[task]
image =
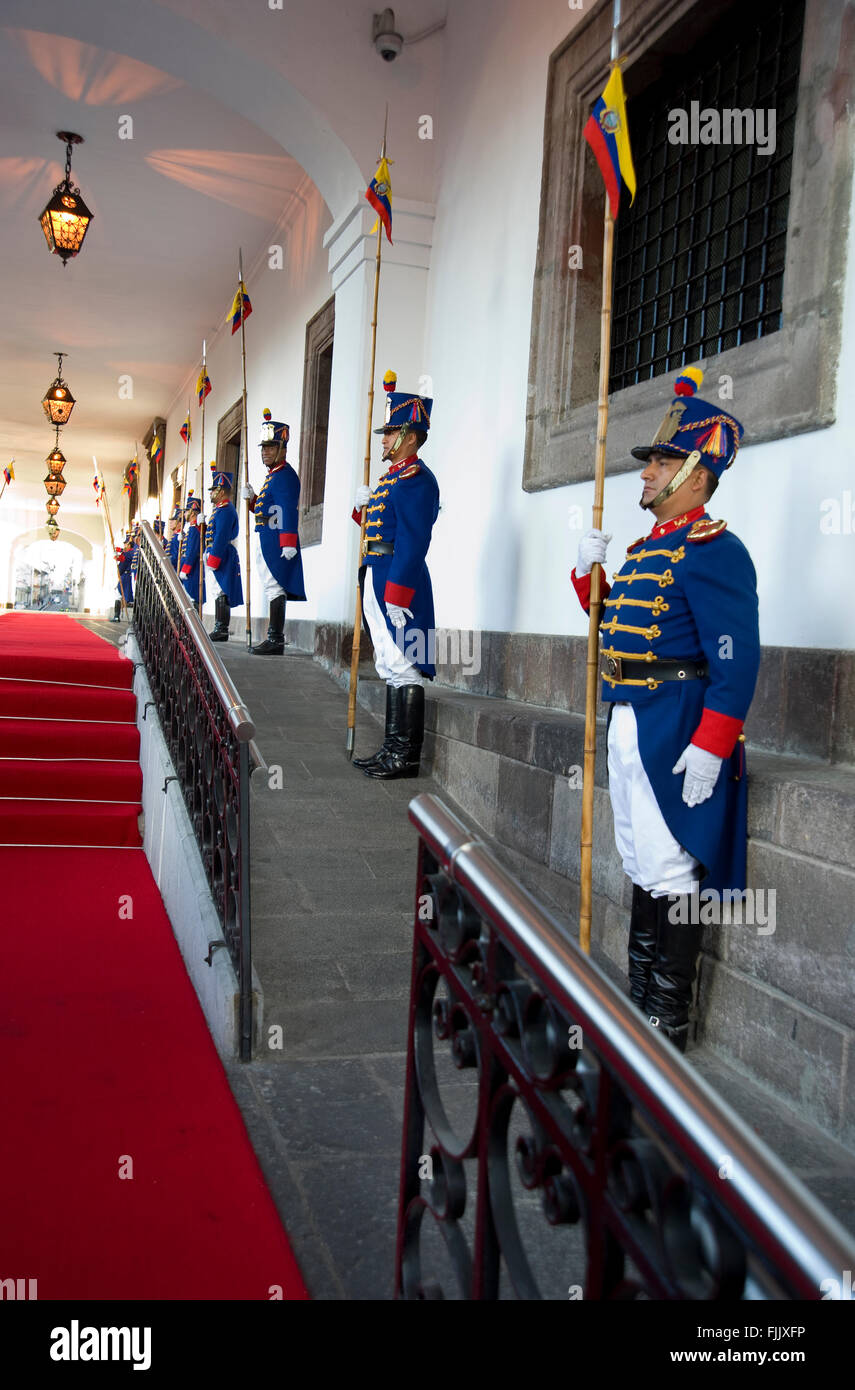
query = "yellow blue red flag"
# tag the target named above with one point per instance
(9, 472)
(156, 451)
(185, 431)
(608, 135)
(379, 195)
(241, 307)
(203, 386)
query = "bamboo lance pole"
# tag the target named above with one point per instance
(201, 522)
(245, 437)
(587, 835)
(366, 476)
(109, 525)
(184, 487)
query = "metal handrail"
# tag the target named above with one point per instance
(793, 1232)
(210, 736)
(227, 692)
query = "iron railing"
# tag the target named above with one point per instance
(584, 1158)
(208, 731)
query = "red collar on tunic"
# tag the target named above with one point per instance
(676, 523)
(402, 463)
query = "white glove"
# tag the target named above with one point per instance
(701, 769)
(397, 616)
(592, 551)
(247, 493)
(288, 552)
(362, 495)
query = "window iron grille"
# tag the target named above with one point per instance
(699, 257)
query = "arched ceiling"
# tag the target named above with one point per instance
(222, 139)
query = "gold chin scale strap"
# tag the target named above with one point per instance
(677, 481)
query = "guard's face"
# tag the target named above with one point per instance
(217, 494)
(270, 453)
(657, 473)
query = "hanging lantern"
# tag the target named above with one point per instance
(58, 401)
(66, 218)
(54, 485)
(52, 528)
(52, 506)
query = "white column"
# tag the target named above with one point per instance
(400, 346)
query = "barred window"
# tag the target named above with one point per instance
(699, 257)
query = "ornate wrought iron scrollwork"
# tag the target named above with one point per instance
(579, 1135)
(211, 756)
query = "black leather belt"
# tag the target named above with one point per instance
(619, 669)
(379, 547)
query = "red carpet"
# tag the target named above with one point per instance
(105, 1053)
(69, 744)
(125, 1168)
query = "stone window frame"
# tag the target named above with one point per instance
(320, 335)
(783, 384)
(157, 426)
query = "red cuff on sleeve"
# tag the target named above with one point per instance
(717, 733)
(213, 562)
(582, 585)
(288, 539)
(185, 569)
(357, 515)
(397, 594)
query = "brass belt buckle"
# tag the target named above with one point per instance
(363, 548)
(613, 667)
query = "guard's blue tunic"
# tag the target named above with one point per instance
(402, 510)
(689, 591)
(221, 556)
(189, 564)
(174, 547)
(125, 585)
(276, 523)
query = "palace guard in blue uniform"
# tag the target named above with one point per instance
(188, 564)
(125, 585)
(174, 545)
(221, 552)
(277, 549)
(680, 654)
(397, 598)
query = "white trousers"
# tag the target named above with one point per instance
(392, 666)
(651, 856)
(270, 587)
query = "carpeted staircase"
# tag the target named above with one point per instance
(69, 745)
(125, 1168)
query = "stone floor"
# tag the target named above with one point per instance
(334, 862)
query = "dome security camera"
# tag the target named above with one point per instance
(387, 41)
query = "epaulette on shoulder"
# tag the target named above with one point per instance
(411, 472)
(706, 530)
(635, 544)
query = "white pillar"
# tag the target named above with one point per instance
(400, 346)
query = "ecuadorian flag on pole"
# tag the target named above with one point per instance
(203, 386)
(185, 430)
(156, 454)
(241, 308)
(379, 195)
(608, 135)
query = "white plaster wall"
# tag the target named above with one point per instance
(500, 557)
(283, 301)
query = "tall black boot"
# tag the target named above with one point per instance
(669, 993)
(641, 947)
(393, 705)
(404, 755)
(274, 643)
(222, 613)
(117, 612)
